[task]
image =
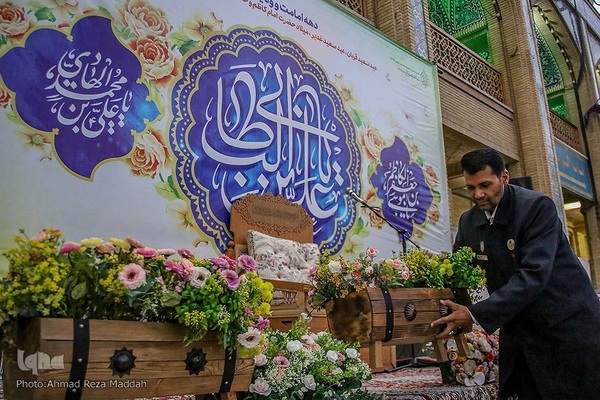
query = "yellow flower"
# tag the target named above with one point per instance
(120, 243)
(92, 242)
(198, 27)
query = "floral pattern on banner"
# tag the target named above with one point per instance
(103, 94)
(151, 50)
(405, 188)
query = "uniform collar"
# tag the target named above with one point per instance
(502, 210)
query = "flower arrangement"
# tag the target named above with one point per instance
(300, 365)
(479, 367)
(336, 277)
(122, 279)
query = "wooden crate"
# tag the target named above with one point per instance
(158, 354)
(376, 318)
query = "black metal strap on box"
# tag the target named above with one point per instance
(79, 362)
(228, 371)
(389, 314)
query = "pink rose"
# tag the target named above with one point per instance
(372, 252)
(69, 247)
(134, 242)
(232, 263)
(41, 236)
(147, 252)
(187, 265)
(105, 248)
(13, 20)
(166, 252)
(178, 269)
(431, 176)
(405, 273)
(183, 252)
(132, 276)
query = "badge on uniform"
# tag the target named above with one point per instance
(482, 246)
(482, 257)
(510, 244)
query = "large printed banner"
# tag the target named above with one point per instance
(149, 118)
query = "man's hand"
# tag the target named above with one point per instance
(459, 317)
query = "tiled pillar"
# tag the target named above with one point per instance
(403, 21)
(538, 158)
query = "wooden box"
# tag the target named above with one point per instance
(380, 316)
(98, 359)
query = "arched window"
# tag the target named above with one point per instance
(465, 21)
(553, 79)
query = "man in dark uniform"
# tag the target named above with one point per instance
(541, 298)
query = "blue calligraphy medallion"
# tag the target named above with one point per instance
(83, 87)
(402, 186)
(253, 114)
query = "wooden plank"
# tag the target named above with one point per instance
(156, 387)
(102, 350)
(118, 331)
(159, 364)
(147, 380)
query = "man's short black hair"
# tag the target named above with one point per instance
(478, 160)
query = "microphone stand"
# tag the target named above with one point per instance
(414, 361)
(401, 232)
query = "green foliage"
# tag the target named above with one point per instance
(121, 279)
(336, 277)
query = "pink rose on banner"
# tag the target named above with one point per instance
(145, 19)
(13, 20)
(374, 201)
(372, 142)
(157, 59)
(150, 155)
(4, 97)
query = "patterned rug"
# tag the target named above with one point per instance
(425, 384)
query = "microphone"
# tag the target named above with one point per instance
(353, 194)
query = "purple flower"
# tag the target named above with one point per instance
(219, 263)
(247, 263)
(231, 278)
(262, 324)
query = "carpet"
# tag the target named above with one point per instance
(425, 384)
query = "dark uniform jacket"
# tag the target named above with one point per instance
(540, 296)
